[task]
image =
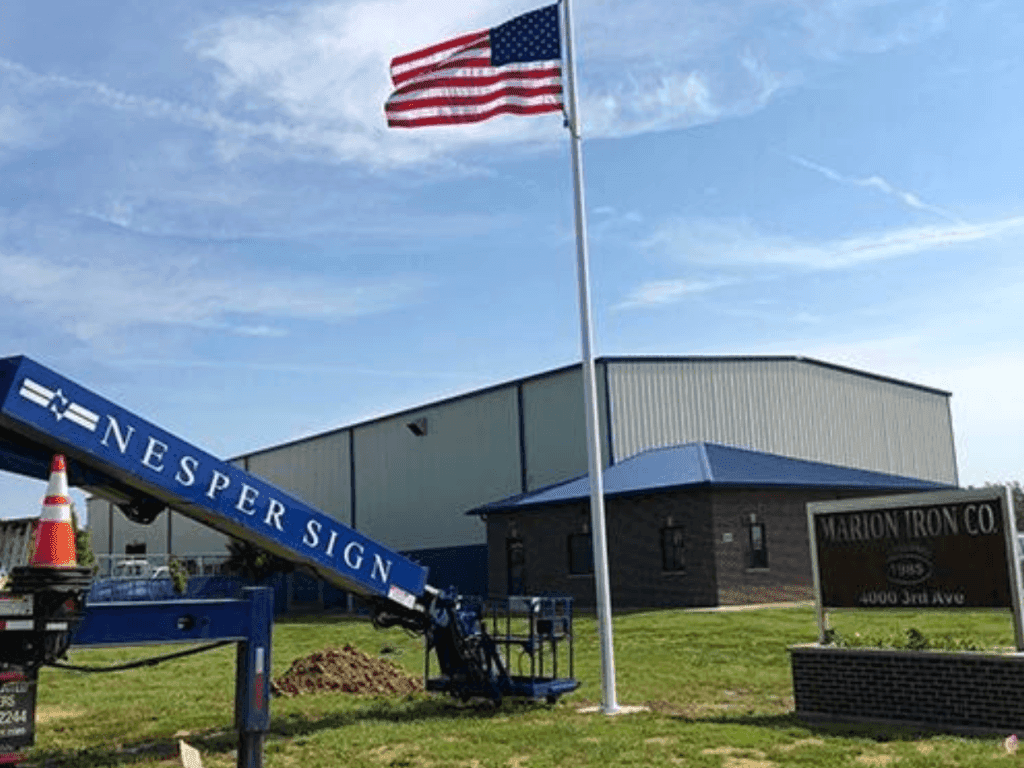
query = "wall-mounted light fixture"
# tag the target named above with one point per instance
(418, 427)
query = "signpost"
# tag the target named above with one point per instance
(947, 549)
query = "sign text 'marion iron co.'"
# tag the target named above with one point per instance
(948, 549)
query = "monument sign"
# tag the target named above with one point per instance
(947, 549)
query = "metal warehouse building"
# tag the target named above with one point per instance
(408, 479)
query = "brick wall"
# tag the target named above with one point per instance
(947, 691)
(716, 571)
(784, 515)
(634, 550)
(783, 511)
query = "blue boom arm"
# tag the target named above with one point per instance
(115, 454)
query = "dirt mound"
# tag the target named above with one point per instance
(344, 670)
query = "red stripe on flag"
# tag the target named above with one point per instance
(479, 81)
(455, 42)
(474, 100)
(473, 117)
(478, 57)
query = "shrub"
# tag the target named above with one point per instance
(179, 575)
(254, 563)
(911, 639)
(84, 553)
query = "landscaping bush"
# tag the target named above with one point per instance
(911, 639)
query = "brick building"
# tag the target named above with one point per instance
(692, 525)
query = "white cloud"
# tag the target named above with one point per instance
(661, 292)
(876, 182)
(326, 68)
(232, 134)
(767, 80)
(311, 81)
(838, 27)
(642, 68)
(739, 243)
(98, 300)
(672, 99)
(14, 130)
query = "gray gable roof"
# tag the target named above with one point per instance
(711, 465)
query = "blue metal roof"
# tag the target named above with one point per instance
(711, 465)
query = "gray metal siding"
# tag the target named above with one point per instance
(317, 471)
(412, 491)
(17, 543)
(554, 429)
(189, 536)
(154, 535)
(790, 407)
(99, 524)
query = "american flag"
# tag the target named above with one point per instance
(514, 68)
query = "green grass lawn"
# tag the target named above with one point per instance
(717, 685)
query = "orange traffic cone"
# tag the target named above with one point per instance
(55, 535)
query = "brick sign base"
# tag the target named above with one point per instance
(948, 691)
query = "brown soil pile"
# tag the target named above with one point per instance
(344, 670)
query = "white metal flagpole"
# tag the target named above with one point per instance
(597, 519)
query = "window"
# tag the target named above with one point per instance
(581, 553)
(515, 558)
(135, 549)
(516, 555)
(673, 557)
(758, 547)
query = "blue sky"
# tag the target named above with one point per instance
(204, 218)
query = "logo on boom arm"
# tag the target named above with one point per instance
(57, 403)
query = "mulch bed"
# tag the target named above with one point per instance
(344, 670)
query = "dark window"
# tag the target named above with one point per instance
(758, 546)
(516, 559)
(673, 557)
(135, 549)
(516, 555)
(581, 553)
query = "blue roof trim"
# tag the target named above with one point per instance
(705, 461)
(712, 465)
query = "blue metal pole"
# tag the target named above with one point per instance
(252, 679)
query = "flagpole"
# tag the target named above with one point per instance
(597, 518)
